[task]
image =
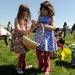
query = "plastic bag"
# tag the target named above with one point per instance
(66, 52)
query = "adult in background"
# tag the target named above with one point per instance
(65, 29)
(73, 30)
(4, 34)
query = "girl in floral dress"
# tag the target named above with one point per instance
(21, 28)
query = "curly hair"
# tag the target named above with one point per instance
(47, 6)
(21, 11)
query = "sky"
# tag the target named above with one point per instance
(64, 10)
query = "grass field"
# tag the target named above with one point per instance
(8, 61)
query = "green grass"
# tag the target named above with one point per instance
(69, 38)
(8, 62)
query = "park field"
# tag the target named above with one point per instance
(8, 62)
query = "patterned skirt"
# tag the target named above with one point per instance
(16, 44)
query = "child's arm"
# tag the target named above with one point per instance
(52, 26)
(34, 25)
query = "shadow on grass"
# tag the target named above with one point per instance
(10, 70)
(64, 63)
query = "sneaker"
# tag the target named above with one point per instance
(46, 73)
(28, 67)
(43, 69)
(19, 70)
(62, 59)
(7, 46)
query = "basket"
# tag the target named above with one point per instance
(29, 43)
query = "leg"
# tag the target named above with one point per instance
(47, 62)
(39, 55)
(21, 62)
(24, 61)
(5, 40)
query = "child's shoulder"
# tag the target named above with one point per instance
(42, 16)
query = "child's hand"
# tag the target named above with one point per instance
(34, 22)
(27, 32)
(40, 25)
(34, 25)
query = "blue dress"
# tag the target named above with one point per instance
(46, 38)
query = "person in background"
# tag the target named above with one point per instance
(65, 30)
(73, 30)
(60, 41)
(4, 35)
(21, 28)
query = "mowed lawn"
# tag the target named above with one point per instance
(8, 62)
